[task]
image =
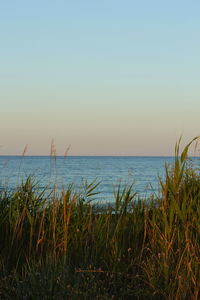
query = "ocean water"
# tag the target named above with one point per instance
(143, 172)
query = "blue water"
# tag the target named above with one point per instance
(109, 171)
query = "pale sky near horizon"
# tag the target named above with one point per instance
(106, 77)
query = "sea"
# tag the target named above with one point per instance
(144, 172)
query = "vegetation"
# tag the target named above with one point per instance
(63, 247)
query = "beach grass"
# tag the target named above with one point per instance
(62, 246)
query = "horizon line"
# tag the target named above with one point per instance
(38, 155)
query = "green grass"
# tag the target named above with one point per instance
(63, 247)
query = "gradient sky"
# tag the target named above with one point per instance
(106, 77)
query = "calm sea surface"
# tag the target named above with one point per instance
(109, 171)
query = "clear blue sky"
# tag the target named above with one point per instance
(106, 77)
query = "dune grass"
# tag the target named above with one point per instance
(64, 247)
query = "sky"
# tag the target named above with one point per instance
(103, 77)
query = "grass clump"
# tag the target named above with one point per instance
(64, 247)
